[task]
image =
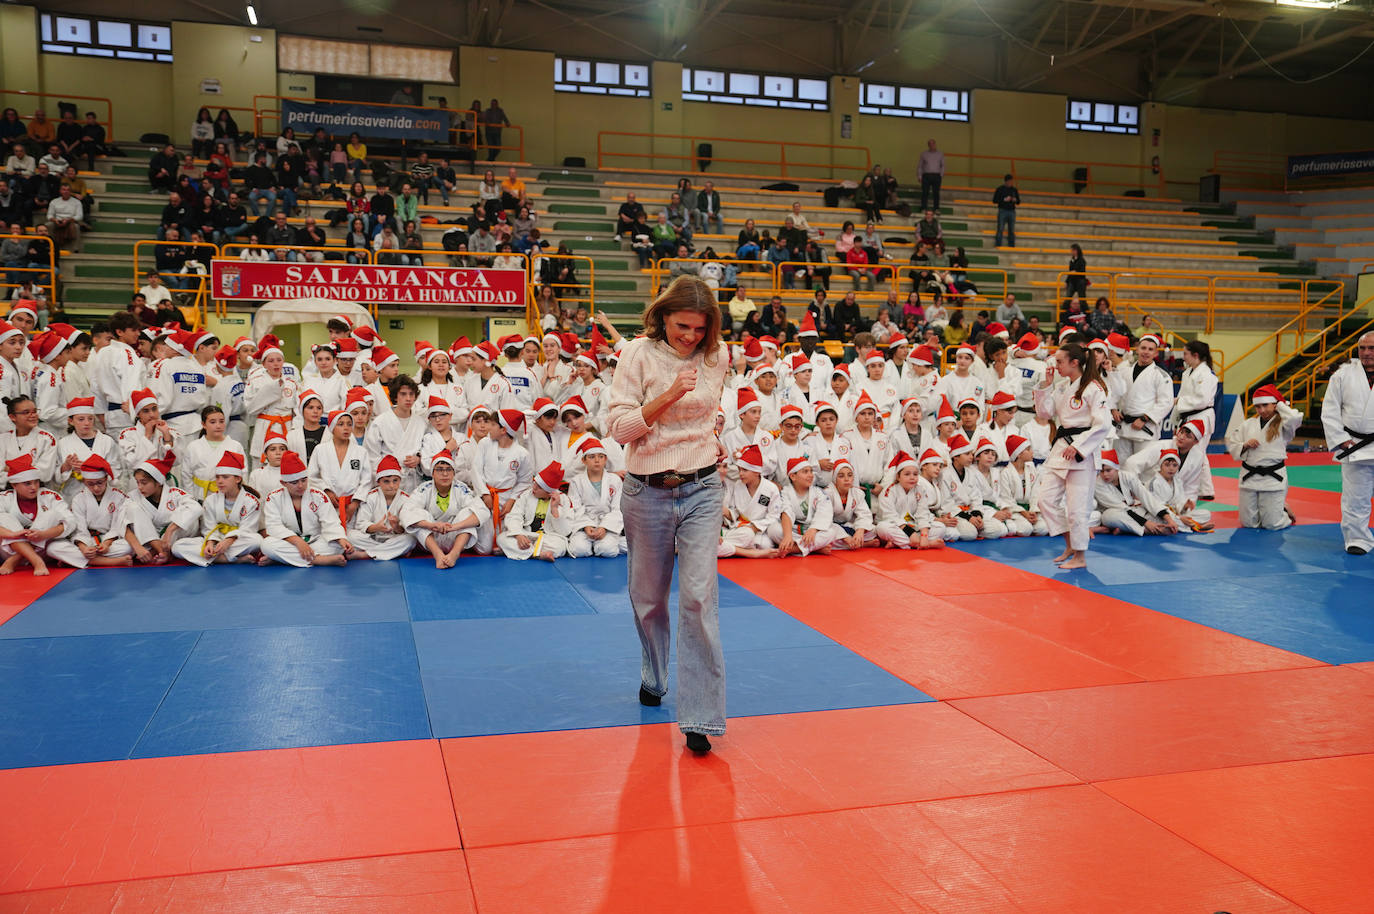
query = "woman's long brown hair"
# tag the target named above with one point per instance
(686, 293)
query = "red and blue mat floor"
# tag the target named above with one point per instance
(1186, 726)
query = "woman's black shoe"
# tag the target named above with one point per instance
(649, 699)
(698, 743)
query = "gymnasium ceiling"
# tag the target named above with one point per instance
(1250, 54)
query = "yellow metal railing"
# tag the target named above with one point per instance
(145, 259)
(1332, 345)
(44, 276)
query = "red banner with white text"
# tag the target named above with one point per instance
(364, 283)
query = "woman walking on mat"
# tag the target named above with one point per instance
(662, 407)
(1082, 421)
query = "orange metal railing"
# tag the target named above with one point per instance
(662, 273)
(1053, 175)
(782, 158)
(107, 122)
(44, 276)
(459, 121)
(1249, 170)
(194, 281)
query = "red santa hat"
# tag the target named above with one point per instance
(273, 436)
(1015, 445)
(47, 346)
(875, 356)
(842, 462)
(967, 347)
(266, 346)
(791, 409)
(922, 355)
(26, 305)
(958, 444)
(1267, 394)
(437, 404)
(751, 458)
(1099, 345)
(95, 467)
(1107, 457)
(984, 444)
(292, 467)
(808, 325)
(306, 396)
(768, 342)
(598, 342)
(388, 466)
(970, 401)
(244, 342)
(587, 358)
(444, 456)
(460, 346)
(346, 348)
(141, 398)
(900, 460)
(486, 351)
(798, 362)
(842, 370)
(22, 469)
(745, 399)
(1066, 330)
(1153, 338)
(231, 463)
(226, 357)
(567, 345)
(510, 341)
(765, 369)
(423, 350)
(551, 477)
(366, 337)
(999, 330)
(543, 405)
(481, 408)
(573, 404)
(1002, 400)
(159, 468)
(864, 402)
(8, 330)
(530, 338)
(753, 350)
(512, 420)
(1029, 344)
(945, 413)
(356, 397)
(334, 416)
(195, 339)
(1197, 428)
(81, 406)
(931, 455)
(909, 401)
(1118, 343)
(1169, 453)
(590, 447)
(825, 406)
(797, 463)
(382, 357)
(66, 331)
(343, 319)
(896, 340)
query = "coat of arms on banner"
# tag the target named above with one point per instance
(230, 282)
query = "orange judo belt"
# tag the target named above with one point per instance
(281, 422)
(496, 507)
(344, 502)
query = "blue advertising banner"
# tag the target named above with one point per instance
(386, 121)
(1331, 163)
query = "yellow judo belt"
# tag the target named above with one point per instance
(206, 488)
(222, 530)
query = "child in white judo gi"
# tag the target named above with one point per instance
(160, 514)
(1260, 443)
(807, 510)
(541, 520)
(378, 527)
(753, 505)
(596, 501)
(302, 526)
(34, 522)
(229, 519)
(445, 516)
(95, 509)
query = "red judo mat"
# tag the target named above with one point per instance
(1084, 754)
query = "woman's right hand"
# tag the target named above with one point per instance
(684, 383)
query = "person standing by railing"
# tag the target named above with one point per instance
(931, 170)
(495, 119)
(1348, 420)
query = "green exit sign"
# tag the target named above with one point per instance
(396, 325)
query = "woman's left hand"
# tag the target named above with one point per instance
(722, 455)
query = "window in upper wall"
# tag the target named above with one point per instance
(1102, 117)
(764, 90)
(601, 77)
(298, 54)
(88, 36)
(914, 101)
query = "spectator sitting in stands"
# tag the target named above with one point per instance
(873, 246)
(866, 199)
(883, 328)
(446, 178)
(795, 238)
(1102, 321)
(358, 239)
(281, 235)
(290, 171)
(532, 244)
(911, 327)
(513, 192)
(423, 175)
(356, 150)
(739, 308)
(847, 318)
(980, 325)
(1074, 315)
(253, 250)
(162, 169)
(39, 189)
(799, 221)
(233, 219)
(92, 140)
(176, 214)
(41, 132)
(11, 127)
(923, 273)
(207, 217)
(911, 308)
(489, 195)
(778, 255)
(663, 236)
(153, 291)
(642, 243)
(857, 258)
(627, 217)
(407, 205)
(53, 158)
(82, 192)
(929, 227)
(708, 208)
(846, 240)
(936, 314)
(1008, 311)
(260, 149)
(64, 219)
(20, 164)
(382, 210)
(506, 259)
(680, 265)
(775, 322)
(482, 242)
(414, 244)
(753, 326)
(387, 245)
(522, 225)
(187, 190)
(957, 278)
(560, 271)
(955, 331)
(262, 184)
(681, 219)
(311, 235)
(887, 189)
(13, 250)
(748, 244)
(227, 130)
(817, 266)
(203, 134)
(171, 262)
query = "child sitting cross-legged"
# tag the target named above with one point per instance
(541, 520)
(95, 509)
(753, 506)
(445, 516)
(595, 496)
(34, 522)
(229, 519)
(806, 512)
(379, 526)
(159, 515)
(850, 516)
(904, 509)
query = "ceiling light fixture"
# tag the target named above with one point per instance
(252, 15)
(1313, 4)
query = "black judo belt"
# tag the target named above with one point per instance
(1067, 434)
(1184, 417)
(1270, 470)
(1361, 440)
(1147, 427)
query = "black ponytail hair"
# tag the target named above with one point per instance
(1076, 353)
(1202, 350)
